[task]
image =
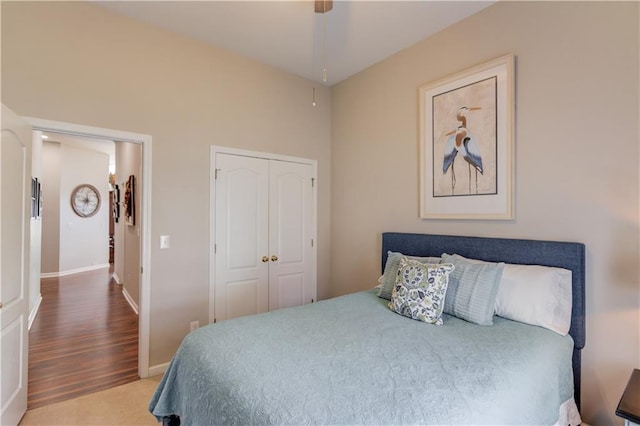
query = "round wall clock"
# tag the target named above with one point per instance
(85, 200)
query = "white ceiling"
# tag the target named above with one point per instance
(285, 34)
(84, 142)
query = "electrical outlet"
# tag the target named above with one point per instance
(195, 325)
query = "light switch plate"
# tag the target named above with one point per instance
(164, 242)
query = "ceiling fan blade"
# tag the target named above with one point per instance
(322, 6)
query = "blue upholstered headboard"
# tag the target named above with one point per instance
(529, 252)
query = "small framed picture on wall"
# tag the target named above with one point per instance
(116, 203)
(130, 201)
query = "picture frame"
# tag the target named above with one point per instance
(115, 194)
(36, 198)
(40, 198)
(466, 143)
(130, 201)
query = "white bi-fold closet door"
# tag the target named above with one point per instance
(264, 254)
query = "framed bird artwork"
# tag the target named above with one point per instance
(466, 143)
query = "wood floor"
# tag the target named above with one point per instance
(84, 338)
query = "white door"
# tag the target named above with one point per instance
(291, 215)
(263, 232)
(15, 195)
(241, 236)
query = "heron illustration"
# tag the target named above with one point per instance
(462, 141)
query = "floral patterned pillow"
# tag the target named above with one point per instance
(420, 290)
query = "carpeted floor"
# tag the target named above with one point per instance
(122, 405)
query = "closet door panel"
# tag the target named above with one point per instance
(241, 229)
(242, 298)
(290, 234)
(289, 291)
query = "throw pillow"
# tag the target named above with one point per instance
(473, 288)
(420, 290)
(388, 280)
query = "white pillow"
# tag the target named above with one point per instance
(536, 295)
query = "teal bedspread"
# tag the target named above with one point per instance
(350, 360)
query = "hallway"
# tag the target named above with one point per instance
(84, 338)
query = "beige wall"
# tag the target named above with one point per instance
(127, 237)
(84, 241)
(50, 246)
(576, 171)
(71, 243)
(35, 234)
(76, 62)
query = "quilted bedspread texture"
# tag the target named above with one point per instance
(350, 360)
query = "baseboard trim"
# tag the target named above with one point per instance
(132, 303)
(116, 278)
(155, 370)
(34, 312)
(73, 271)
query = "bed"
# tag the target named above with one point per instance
(352, 360)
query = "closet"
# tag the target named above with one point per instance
(264, 221)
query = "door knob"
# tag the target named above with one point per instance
(274, 258)
(265, 259)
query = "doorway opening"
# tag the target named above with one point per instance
(90, 258)
(138, 274)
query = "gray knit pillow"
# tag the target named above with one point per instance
(471, 294)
